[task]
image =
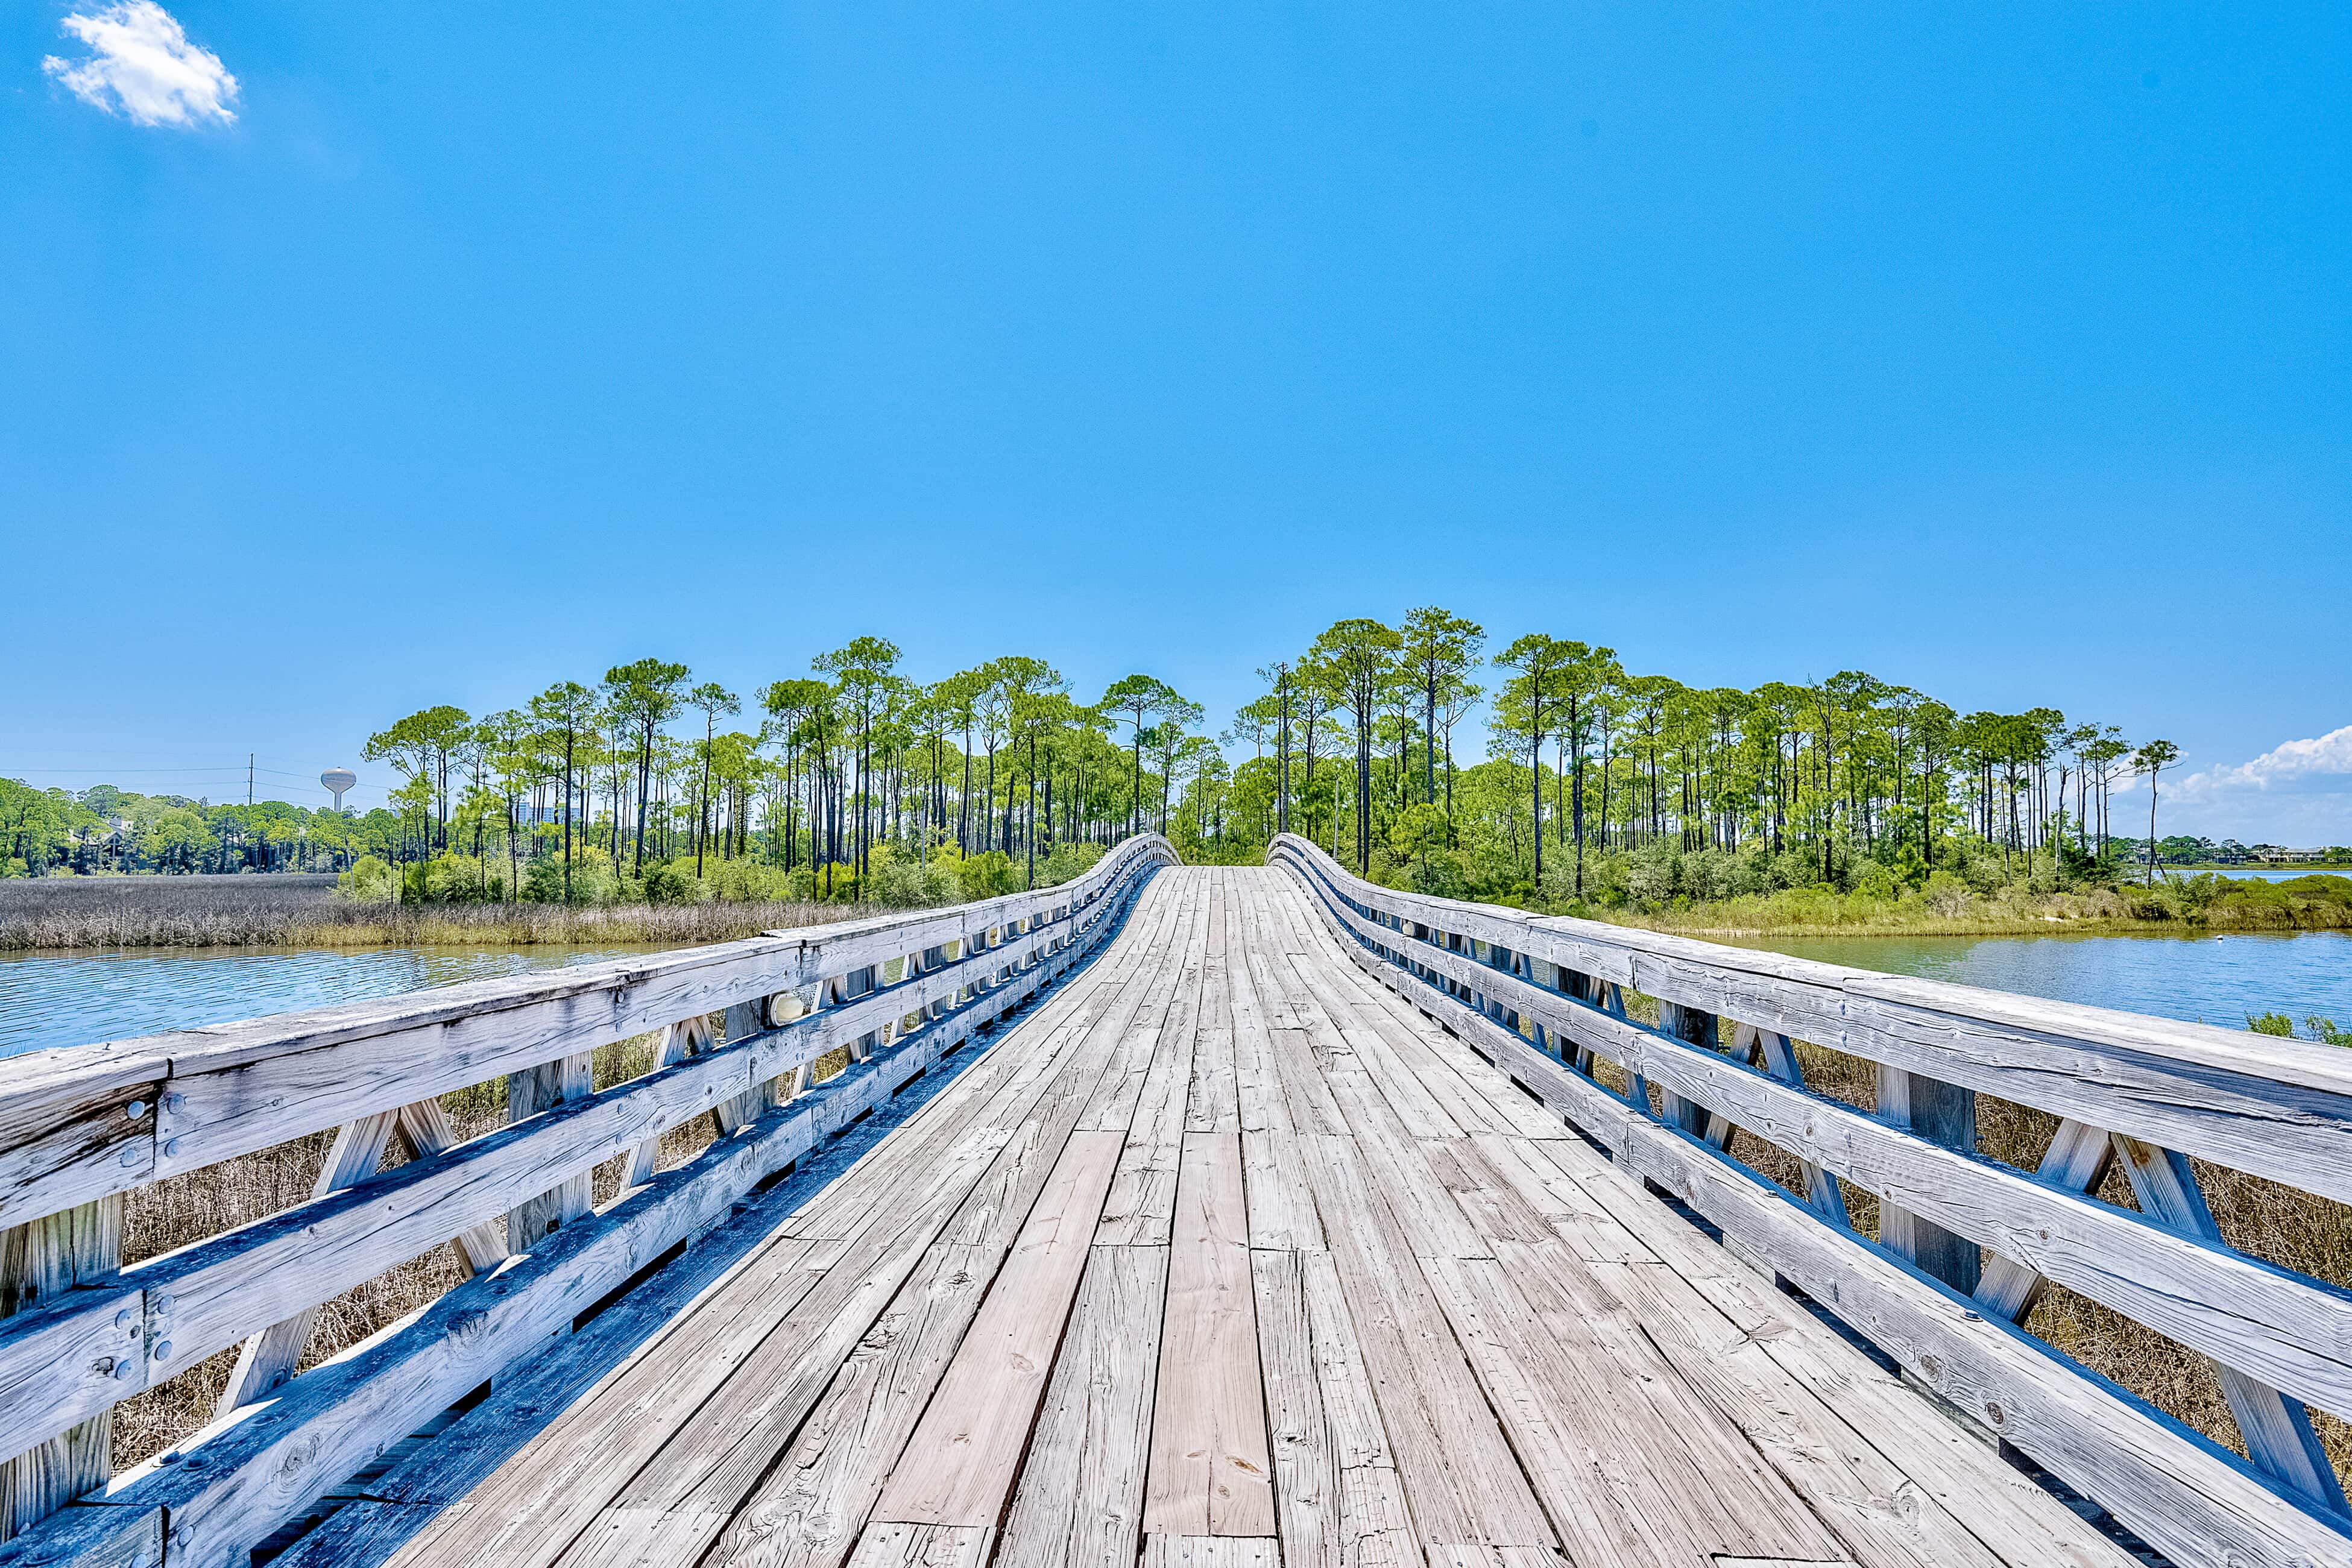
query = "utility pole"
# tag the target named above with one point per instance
(249, 777)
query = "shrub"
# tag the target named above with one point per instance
(988, 876)
(369, 881)
(753, 882)
(1875, 880)
(1650, 877)
(665, 882)
(1068, 861)
(1711, 875)
(894, 881)
(1948, 895)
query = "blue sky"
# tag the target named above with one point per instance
(2000, 352)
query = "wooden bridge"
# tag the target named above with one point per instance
(1179, 1215)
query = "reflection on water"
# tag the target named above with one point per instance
(2207, 980)
(72, 998)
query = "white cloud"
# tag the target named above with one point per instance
(2298, 762)
(2299, 793)
(142, 66)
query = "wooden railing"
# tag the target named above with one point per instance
(740, 1025)
(1966, 1244)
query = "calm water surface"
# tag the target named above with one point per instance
(2261, 873)
(2216, 980)
(72, 998)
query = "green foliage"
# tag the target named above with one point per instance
(897, 880)
(2317, 1029)
(668, 882)
(988, 876)
(751, 881)
(369, 881)
(1070, 859)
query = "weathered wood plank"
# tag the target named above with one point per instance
(1080, 1497)
(78, 1124)
(42, 1262)
(1209, 1552)
(1142, 1202)
(922, 1546)
(1459, 1469)
(959, 1465)
(1210, 1470)
(1877, 1513)
(1305, 1468)
(91, 1536)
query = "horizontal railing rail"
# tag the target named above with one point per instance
(1965, 1245)
(740, 1027)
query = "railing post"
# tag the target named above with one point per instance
(528, 1093)
(743, 1020)
(1942, 1113)
(38, 1260)
(1699, 1028)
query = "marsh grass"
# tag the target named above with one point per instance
(300, 911)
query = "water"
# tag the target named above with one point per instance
(2201, 980)
(2250, 872)
(72, 998)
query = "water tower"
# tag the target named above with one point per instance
(338, 780)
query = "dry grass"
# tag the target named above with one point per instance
(301, 911)
(183, 1210)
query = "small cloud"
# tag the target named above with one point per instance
(142, 67)
(2297, 793)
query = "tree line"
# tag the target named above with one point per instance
(650, 776)
(104, 829)
(1586, 759)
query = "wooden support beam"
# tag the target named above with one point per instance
(543, 1088)
(1942, 1113)
(1780, 1061)
(269, 1357)
(2277, 1429)
(41, 1260)
(678, 1041)
(2077, 1160)
(425, 1130)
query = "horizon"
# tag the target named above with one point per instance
(377, 365)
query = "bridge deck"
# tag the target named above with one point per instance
(1225, 1255)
